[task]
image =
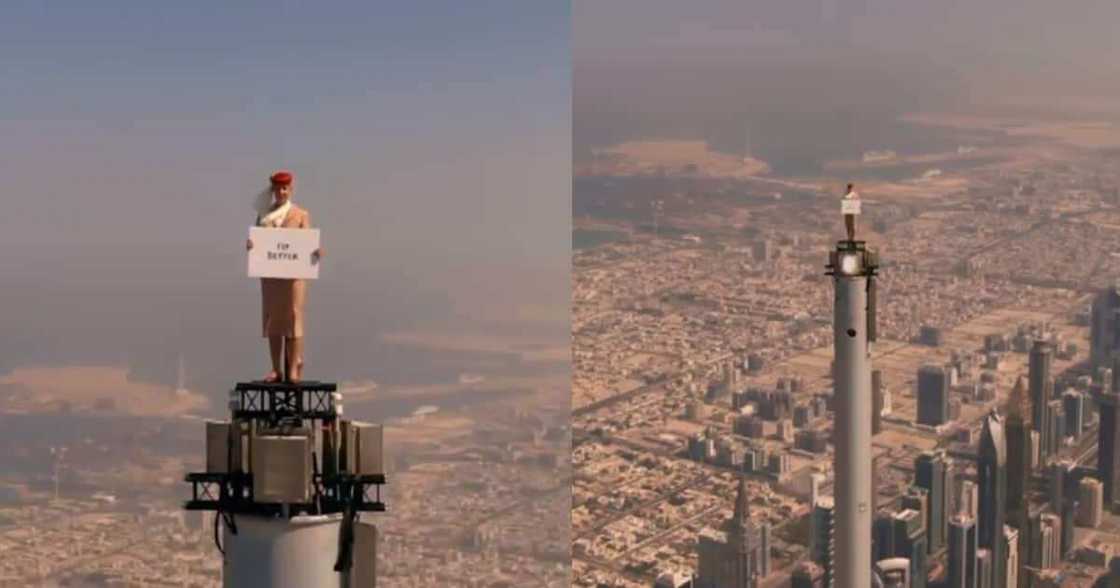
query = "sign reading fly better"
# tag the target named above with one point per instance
(283, 253)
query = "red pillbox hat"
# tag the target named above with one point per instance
(281, 178)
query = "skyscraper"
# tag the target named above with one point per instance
(1046, 549)
(968, 498)
(876, 401)
(1041, 390)
(1073, 402)
(984, 568)
(992, 477)
(816, 480)
(1018, 453)
(1114, 374)
(1061, 491)
(1090, 509)
(933, 395)
(823, 545)
(1036, 538)
(1011, 544)
(909, 536)
(894, 572)
(743, 558)
(1104, 328)
(962, 551)
(881, 531)
(807, 574)
(916, 498)
(1036, 445)
(931, 471)
(1108, 447)
(1056, 413)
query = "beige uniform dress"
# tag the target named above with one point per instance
(282, 299)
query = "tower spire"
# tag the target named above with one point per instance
(1019, 404)
(742, 504)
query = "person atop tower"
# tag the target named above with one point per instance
(850, 208)
(282, 299)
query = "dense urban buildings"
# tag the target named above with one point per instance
(663, 430)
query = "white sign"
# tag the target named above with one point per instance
(283, 253)
(849, 206)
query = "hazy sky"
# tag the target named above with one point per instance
(430, 141)
(660, 67)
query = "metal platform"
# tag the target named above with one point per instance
(280, 404)
(233, 493)
(276, 401)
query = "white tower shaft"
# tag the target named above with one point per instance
(852, 432)
(278, 553)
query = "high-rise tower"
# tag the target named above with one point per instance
(1041, 391)
(876, 402)
(991, 469)
(1018, 432)
(741, 558)
(853, 269)
(748, 544)
(933, 395)
(823, 548)
(931, 471)
(1104, 328)
(1108, 447)
(1018, 450)
(962, 551)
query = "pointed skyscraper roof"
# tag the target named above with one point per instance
(742, 504)
(743, 535)
(1019, 404)
(992, 438)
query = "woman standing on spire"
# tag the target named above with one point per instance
(282, 299)
(851, 209)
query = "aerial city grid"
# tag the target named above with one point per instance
(703, 401)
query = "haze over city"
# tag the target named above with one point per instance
(812, 79)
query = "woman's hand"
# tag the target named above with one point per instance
(248, 244)
(317, 255)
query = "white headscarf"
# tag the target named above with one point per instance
(267, 216)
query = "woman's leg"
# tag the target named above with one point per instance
(275, 352)
(294, 356)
